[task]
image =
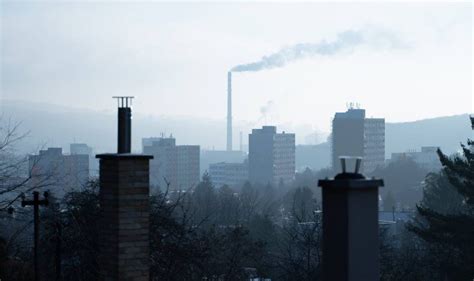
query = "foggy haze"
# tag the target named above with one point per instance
(165, 54)
(261, 135)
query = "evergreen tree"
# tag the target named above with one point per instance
(440, 195)
(249, 201)
(228, 206)
(446, 215)
(204, 201)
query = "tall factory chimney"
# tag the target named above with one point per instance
(229, 111)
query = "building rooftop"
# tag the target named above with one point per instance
(351, 113)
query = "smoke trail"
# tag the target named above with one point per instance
(345, 41)
(265, 110)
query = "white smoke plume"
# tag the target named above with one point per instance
(266, 110)
(345, 42)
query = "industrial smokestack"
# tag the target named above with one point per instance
(124, 132)
(229, 111)
(241, 144)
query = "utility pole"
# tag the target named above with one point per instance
(58, 249)
(36, 202)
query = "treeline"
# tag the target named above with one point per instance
(208, 232)
(220, 233)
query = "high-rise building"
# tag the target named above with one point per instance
(176, 165)
(80, 148)
(271, 156)
(59, 173)
(231, 174)
(84, 149)
(357, 136)
(163, 166)
(188, 166)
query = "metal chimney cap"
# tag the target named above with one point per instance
(124, 101)
(343, 163)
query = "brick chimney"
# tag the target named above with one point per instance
(350, 226)
(124, 203)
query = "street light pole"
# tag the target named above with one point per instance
(36, 202)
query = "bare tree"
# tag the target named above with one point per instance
(299, 254)
(14, 176)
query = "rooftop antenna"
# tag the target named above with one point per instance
(124, 136)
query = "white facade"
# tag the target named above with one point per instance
(231, 174)
(284, 166)
(374, 144)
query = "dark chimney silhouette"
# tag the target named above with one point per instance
(124, 143)
(350, 226)
(124, 241)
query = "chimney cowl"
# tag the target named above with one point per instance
(124, 131)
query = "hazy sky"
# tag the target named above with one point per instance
(414, 60)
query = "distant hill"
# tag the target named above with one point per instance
(51, 125)
(446, 132)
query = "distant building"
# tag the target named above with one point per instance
(80, 149)
(84, 149)
(271, 156)
(59, 173)
(188, 166)
(176, 165)
(231, 174)
(357, 136)
(209, 157)
(427, 158)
